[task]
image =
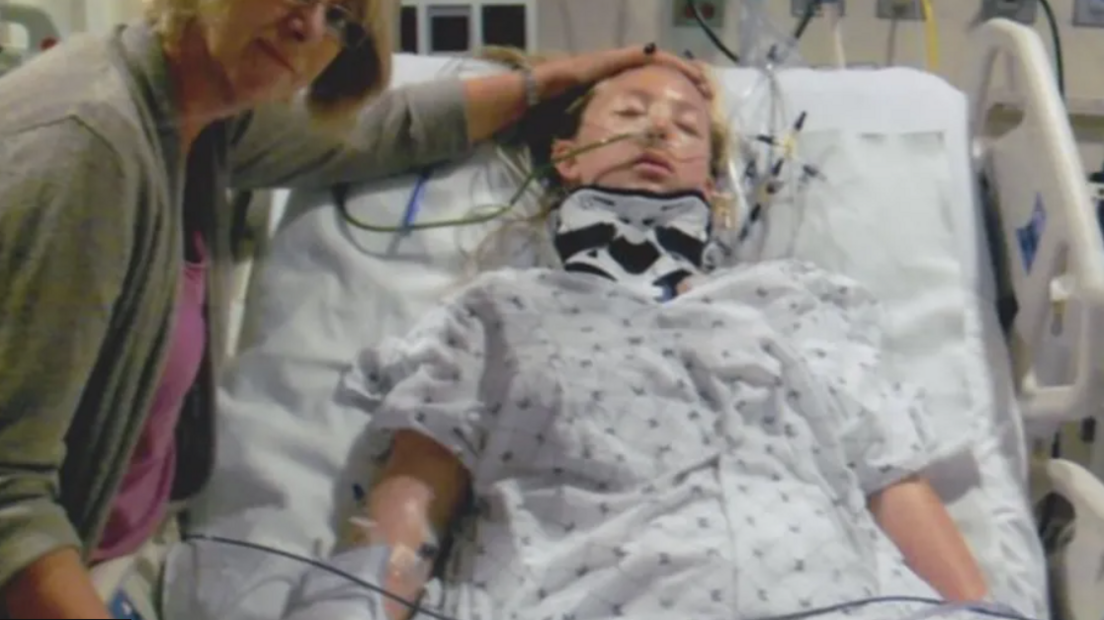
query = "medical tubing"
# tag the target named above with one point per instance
(945, 609)
(415, 608)
(1056, 38)
(499, 210)
(931, 34)
(806, 19)
(940, 611)
(405, 562)
(937, 608)
(710, 34)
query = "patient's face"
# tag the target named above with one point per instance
(672, 121)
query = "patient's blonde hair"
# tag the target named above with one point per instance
(353, 78)
(560, 119)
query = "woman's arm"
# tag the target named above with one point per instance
(913, 516)
(277, 146)
(412, 504)
(55, 586)
(63, 254)
(495, 102)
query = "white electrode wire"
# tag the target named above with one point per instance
(931, 35)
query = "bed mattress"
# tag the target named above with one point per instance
(908, 227)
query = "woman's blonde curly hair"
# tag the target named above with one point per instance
(355, 76)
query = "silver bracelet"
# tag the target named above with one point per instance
(532, 89)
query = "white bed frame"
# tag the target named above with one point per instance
(1037, 163)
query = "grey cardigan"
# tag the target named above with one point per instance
(92, 192)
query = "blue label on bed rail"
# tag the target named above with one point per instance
(1029, 235)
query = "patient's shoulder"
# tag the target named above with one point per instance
(771, 279)
(506, 281)
(492, 288)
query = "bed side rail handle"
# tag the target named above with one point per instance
(1082, 561)
(1041, 189)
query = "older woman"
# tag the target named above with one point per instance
(116, 157)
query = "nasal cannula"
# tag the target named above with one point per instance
(408, 223)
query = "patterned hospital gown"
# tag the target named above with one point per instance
(707, 458)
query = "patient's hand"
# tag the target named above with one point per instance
(593, 67)
(912, 515)
(415, 497)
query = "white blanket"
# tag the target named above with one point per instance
(707, 458)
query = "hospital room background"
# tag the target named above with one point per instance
(873, 36)
(578, 25)
(934, 36)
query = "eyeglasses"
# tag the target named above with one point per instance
(341, 24)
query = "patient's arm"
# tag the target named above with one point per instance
(913, 516)
(412, 501)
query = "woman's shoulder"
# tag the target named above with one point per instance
(73, 90)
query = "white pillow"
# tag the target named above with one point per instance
(886, 227)
(880, 209)
(897, 211)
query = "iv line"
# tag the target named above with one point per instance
(937, 607)
(498, 210)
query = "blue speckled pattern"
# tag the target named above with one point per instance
(705, 458)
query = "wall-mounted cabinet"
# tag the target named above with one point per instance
(453, 27)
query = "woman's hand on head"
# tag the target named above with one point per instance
(593, 67)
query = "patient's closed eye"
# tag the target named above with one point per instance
(690, 128)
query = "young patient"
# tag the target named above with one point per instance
(602, 440)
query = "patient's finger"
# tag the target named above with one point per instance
(693, 70)
(598, 66)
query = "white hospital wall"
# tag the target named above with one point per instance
(68, 15)
(102, 15)
(84, 15)
(578, 25)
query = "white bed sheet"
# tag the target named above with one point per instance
(285, 442)
(985, 490)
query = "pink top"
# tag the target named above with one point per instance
(146, 489)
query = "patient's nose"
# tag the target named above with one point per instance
(659, 128)
(308, 24)
(660, 122)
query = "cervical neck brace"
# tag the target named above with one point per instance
(649, 242)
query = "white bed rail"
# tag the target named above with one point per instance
(1079, 574)
(1047, 216)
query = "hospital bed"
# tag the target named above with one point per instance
(898, 207)
(39, 34)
